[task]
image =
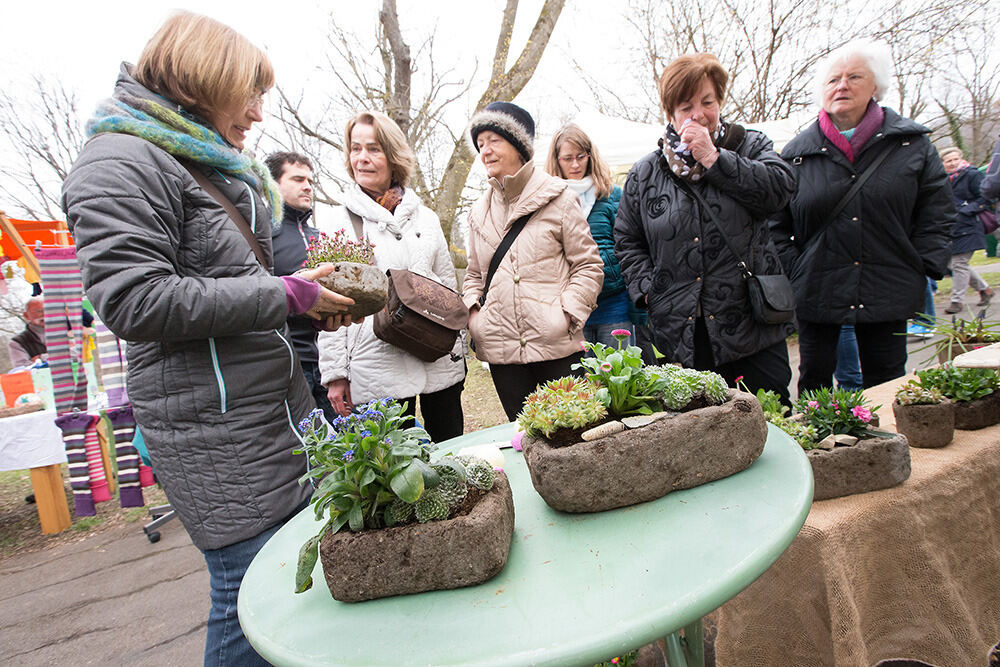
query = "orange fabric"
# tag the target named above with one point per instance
(49, 232)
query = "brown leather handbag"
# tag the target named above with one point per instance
(421, 316)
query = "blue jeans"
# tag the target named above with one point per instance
(601, 333)
(225, 643)
(928, 305)
(848, 370)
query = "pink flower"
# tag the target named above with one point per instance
(738, 380)
(606, 366)
(862, 413)
(813, 405)
(834, 404)
(836, 412)
(583, 345)
(623, 333)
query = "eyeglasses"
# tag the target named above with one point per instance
(257, 100)
(570, 159)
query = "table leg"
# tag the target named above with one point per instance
(50, 498)
(687, 651)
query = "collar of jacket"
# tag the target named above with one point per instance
(511, 187)
(812, 142)
(294, 216)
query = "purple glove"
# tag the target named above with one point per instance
(300, 294)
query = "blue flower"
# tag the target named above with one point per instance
(386, 401)
(315, 413)
(348, 455)
(365, 433)
(305, 424)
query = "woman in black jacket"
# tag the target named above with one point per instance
(968, 234)
(673, 254)
(867, 265)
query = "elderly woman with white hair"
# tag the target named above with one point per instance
(870, 219)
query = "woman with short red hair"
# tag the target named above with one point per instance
(675, 251)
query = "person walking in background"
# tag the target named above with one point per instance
(293, 172)
(527, 323)
(672, 250)
(862, 259)
(213, 382)
(967, 234)
(990, 190)
(357, 366)
(573, 158)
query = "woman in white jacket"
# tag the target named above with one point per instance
(356, 366)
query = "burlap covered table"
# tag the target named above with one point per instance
(912, 571)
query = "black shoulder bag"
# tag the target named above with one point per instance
(505, 243)
(772, 300)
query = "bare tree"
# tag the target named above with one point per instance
(410, 86)
(42, 134)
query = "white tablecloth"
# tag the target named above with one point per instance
(30, 441)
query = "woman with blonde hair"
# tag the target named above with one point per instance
(172, 223)
(357, 366)
(967, 234)
(573, 157)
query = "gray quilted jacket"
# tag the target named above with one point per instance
(215, 385)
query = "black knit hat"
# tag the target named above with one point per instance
(509, 121)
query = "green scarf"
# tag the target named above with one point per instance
(183, 138)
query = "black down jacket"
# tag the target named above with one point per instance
(968, 234)
(674, 254)
(870, 263)
(215, 385)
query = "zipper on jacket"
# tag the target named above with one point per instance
(253, 206)
(218, 375)
(291, 354)
(288, 408)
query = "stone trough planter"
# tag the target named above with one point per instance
(437, 555)
(926, 425)
(878, 462)
(978, 413)
(680, 451)
(365, 283)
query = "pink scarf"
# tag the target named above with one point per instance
(869, 125)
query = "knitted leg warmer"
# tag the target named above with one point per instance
(123, 426)
(74, 427)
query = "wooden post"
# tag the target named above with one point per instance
(50, 498)
(8, 228)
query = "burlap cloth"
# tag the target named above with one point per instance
(912, 571)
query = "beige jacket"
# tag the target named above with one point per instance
(552, 268)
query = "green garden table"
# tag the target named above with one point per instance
(577, 588)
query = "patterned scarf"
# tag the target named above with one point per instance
(390, 199)
(183, 138)
(679, 156)
(962, 166)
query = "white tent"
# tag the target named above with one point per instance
(622, 142)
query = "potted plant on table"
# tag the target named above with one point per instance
(629, 433)
(397, 522)
(355, 273)
(924, 415)
(957, 336)
(975, 392)
(848, 455)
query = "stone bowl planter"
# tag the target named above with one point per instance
(365, 283)
(879, 462)
(948, 351)
(978, 413)
(680, 451)
(927, 425)
(438, 555)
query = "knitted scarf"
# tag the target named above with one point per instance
(866, 128)
(183, 138)
(962, 166)
(679, 156)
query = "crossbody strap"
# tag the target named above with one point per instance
(501, 250)
(703, 205)
(861, 180)
(233, 212)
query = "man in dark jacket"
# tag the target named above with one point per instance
(294, 175)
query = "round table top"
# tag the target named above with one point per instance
(577, 588)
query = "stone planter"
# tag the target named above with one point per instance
(872, 463)
(951, 349)
(437, 555)
(926, 425)
(365, 283)
(978, 413)
(632, 466)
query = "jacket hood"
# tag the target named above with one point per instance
(811, 140)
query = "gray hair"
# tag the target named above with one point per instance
(876, 56)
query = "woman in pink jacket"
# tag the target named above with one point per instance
(527, 321)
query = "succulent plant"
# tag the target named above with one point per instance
(686, 385)
(569, 402)
(431, 505)
(397, 512)
(913, 393)
(480, 475)
(453, 489)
